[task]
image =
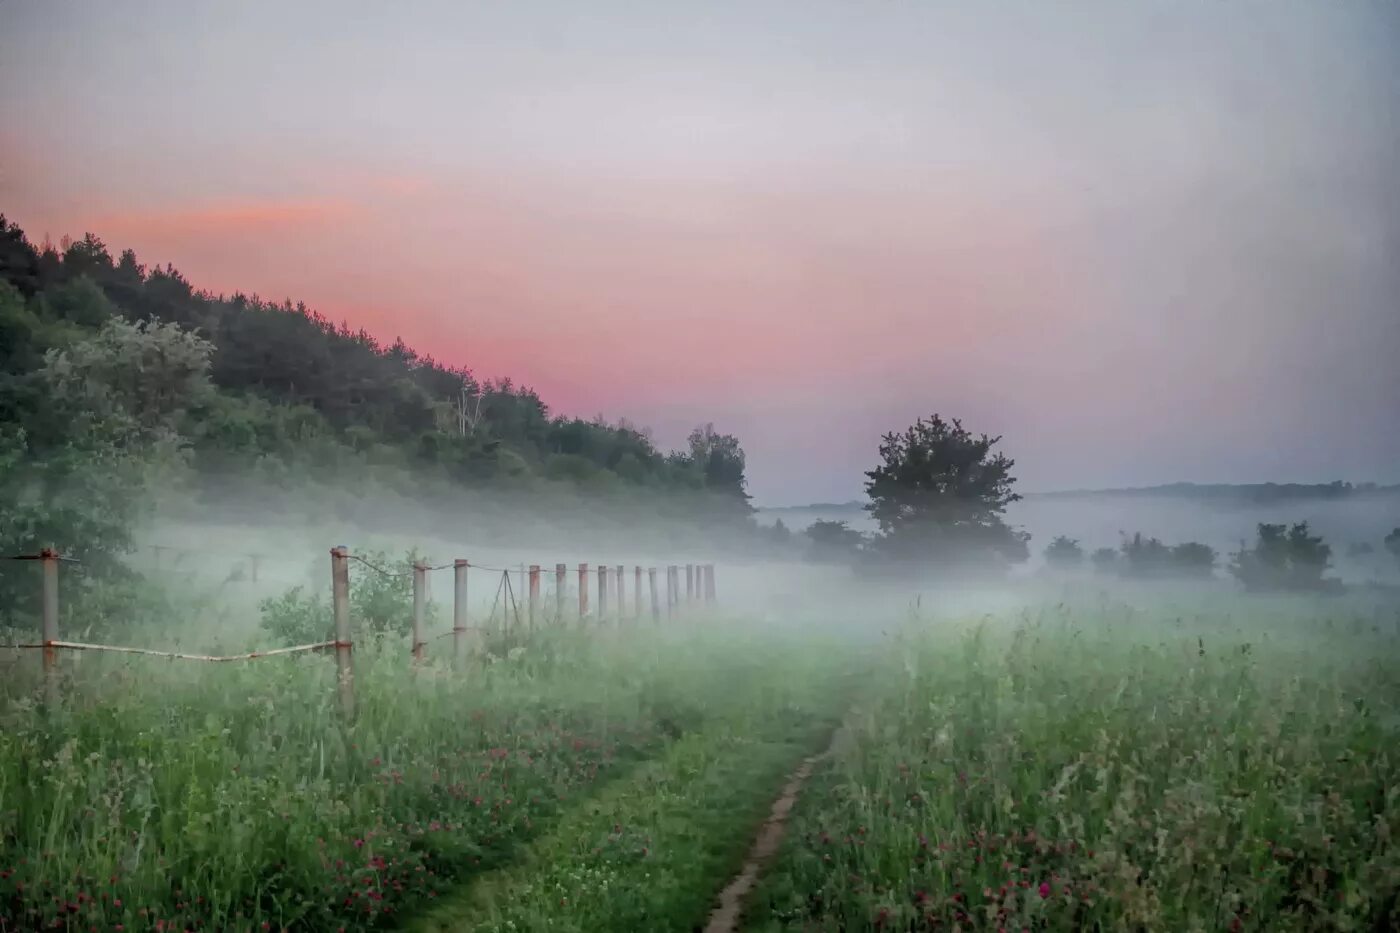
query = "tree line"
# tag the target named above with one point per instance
(939, 496)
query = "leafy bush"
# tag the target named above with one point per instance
(1149, 557)
(1105, 560)
(1064, 553)
(381, 604)
(833, 541)
(1194, 559)
(1284, 558)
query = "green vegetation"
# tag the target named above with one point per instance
(938, 496)
(1284, 558)
(1064, 553)
(1110, 768)
(222, 798)
(116, 380)
(651, 852)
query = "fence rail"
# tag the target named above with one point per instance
(611, 606)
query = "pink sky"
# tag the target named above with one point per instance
(1144, 246)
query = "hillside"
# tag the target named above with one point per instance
(300, 394)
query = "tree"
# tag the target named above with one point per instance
(136, 379)
(1392, 543)
(939, 495)
(1064, 553)
(1283, 558)
(832, 541)
(720, 460)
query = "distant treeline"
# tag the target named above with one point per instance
(1247, 492)
(299, 395)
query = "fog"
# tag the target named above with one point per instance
(1098, 520)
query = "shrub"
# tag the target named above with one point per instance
(1064, 553)
(1105, 560)
(381, 604)
(1193, 559)
(1283, 558)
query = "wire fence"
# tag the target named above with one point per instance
(525, 611)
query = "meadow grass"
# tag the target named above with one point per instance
(170, 797)
(651, 851)
(1104, 768)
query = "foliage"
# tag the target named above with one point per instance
(832, 541)
(939, 494)
(174, 797)
(1392, 543)
(279, 393)
(1149, 557)
(1064, 553)
(1215, 775)
(1283, 558)
(1194, 559)
(381, 604)
(1105, 560)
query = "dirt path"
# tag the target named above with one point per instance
(725, 917)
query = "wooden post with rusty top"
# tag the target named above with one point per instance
(602, 593)
(582, 592)
(534, 595)
(459, 611)
(561, 584)
(420, 607)
(340, 602)
(655, 606)
(637, 593)
(48, 559)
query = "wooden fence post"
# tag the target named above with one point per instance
(602, 594)
(459, 611)
(710, 584)
(420, 607)
(655, 606)
(340, 600)
(561, 584)
(534, 594)
(689, 584)
(582, 592)
(637, 593)
(48, 559)
(672, 585)
(621, 595)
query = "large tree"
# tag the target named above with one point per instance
(939, 495)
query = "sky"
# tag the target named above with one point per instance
(1144, 242)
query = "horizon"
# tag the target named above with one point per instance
(1167, 224)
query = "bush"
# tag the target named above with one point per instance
(1193, 559)
(833, 541)
(381, 604)
(1105, 560)
(1284, 558)
(1064, 553)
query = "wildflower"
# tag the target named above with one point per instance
(1044, 889)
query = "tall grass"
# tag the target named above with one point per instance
(1081, 769)
(167, 796)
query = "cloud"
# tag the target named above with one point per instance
(231, 216)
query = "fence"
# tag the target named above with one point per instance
(699, 591)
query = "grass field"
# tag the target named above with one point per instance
(1116, 769)
(1089, 766)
